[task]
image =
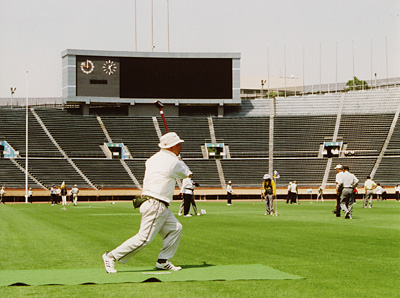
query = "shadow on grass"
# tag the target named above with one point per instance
(204, 265)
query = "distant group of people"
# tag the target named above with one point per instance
(3, 193)
(57, 192)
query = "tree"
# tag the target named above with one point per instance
(356, 84)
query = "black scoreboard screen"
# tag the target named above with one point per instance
(142, 77)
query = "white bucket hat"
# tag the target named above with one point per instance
(267, 176)
(339, 167)
(169, 140)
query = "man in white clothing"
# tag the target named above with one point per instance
(369, 186)
(339, 173)
(347, 182)
(229, 193)
(74, 192)
(187, 191)
(162, 170)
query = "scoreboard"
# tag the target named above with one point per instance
(142, 77)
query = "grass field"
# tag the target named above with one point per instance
(337, 257)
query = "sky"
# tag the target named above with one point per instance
(274, 37)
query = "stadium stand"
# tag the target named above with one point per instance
(364, 120)
(245, 136)
(365, 133)
(205, 172)
(51, 171)
(78, 136)
(388, 173)
(12, 130)
(14, 177)
(111, 175)
(137, 133)
(244, 172)
(194, 130)
(301, 136)
(305, 171)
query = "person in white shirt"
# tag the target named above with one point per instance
(347, 182)
(339, 173)
(293, 191)
(30, 195)
(369, 186)
(320, 194)
(162, 170)
(229, 193)
(187, 191)
(74, 192)
(2, 193)
(397, 192)
(379, 191)
(288, 192)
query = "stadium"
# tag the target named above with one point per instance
(98, 137)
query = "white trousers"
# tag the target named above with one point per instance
(156, 219)
(64, 200)
(75, 197)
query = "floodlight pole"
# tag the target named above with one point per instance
(168, 23)
(135, 28)
(26, 141)
(12, 95)
(275, 176)
(152, 26)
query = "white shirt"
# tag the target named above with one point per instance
(187, 186)
(2, 191)
(347, 179)
(397, 188)
(74, 190)
(162, 170)
(338, 177)
(229, 188)
(379, 190)
(369, 184)
(293, 187)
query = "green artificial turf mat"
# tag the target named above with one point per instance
(132, 275)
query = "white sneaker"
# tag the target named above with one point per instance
(109, 264)
(179, 214)
(198, 214)
(187, 215)
(167, 266)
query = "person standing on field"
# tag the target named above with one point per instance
(229, 193)
(397, 192)
(30, 195)
(320, 194)
(379, 192)
(339, 173)
(369, 186)
(268, 194)
(53, 193)
(2, 193)
(347, 182)
(74, 192)
(63, 192)
(162, 170)
(293, 191)
(188, 196)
